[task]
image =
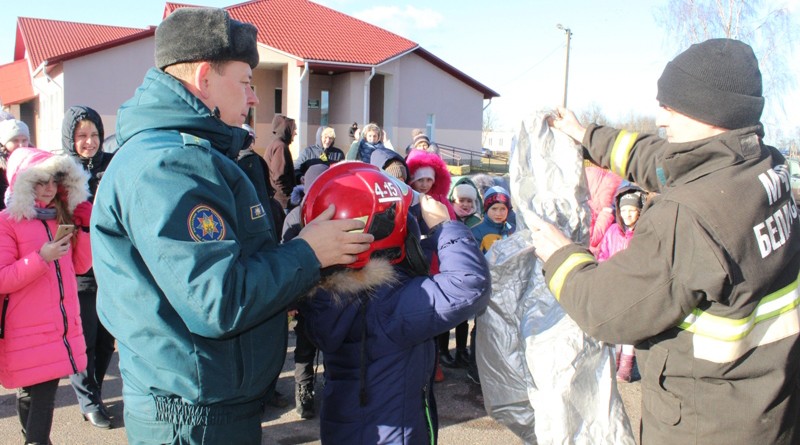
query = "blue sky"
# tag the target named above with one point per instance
(512, 46)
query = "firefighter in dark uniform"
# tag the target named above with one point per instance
(707, 290)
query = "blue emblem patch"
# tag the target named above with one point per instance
(256, 211)
(205, 224)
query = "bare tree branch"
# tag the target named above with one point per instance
(766, 25)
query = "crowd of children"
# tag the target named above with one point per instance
(483, 207)
(388, 260)
(424, 255)
(342, 315)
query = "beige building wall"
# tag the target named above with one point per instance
(265, 81)
(284, 74)
(347, 107)
(50, 88)
(104, 80)
(412, 90)
(391, 74)
(101, 80)
(457, 108)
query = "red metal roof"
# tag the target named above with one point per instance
(15, 83)
(53, 40)
(303, 29)
(315, 33)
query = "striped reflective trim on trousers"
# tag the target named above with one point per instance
(621, 150)
(722, 340)
(572, 261)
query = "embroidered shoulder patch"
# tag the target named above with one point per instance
(256, 211)
(205, 224)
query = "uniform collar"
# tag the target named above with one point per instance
(688, 161)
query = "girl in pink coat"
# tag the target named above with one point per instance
(603, 186)
(41, 339)
(628, 201)
(428, 174)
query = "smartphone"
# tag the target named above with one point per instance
(64, 230)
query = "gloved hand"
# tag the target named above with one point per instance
(63, 195)
(82, 214)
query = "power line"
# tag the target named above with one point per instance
(539, 62)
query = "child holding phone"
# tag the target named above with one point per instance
(64, 230)
(37, 279)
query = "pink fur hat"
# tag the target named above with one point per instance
(418, 159)
(28, 165)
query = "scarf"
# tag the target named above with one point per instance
(45, 213)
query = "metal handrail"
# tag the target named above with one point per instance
(475, 159)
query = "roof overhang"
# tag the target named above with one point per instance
(150, 31)
(488, 93)
(331, 68)
(15, 83)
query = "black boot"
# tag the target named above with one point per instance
(304, 399)
(462, 358)
(98, 419)
(446, 360)
(23, 408)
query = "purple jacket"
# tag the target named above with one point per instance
(378, 343)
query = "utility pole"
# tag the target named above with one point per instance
(568, 32)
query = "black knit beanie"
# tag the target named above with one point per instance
(194, 34)
(631, 199)
(717, 82)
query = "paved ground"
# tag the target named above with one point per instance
(462, 418)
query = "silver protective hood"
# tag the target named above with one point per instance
(532, 357)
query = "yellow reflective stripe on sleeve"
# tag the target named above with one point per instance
(620, 151)
(572, 261)
(720, 340)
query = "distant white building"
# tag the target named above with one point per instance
(499, 140)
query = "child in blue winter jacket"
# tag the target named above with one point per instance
(375, 320)
(495, 225)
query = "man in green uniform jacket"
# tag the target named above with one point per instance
(708, 288)
(192, 281)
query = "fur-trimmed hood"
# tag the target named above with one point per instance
(418, 158)
(345, 284)
(28, 165)
(468, 181)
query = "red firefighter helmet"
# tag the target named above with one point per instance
(363, 191)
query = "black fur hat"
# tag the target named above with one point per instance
(209, 34)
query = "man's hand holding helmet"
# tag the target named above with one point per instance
(335, 242)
